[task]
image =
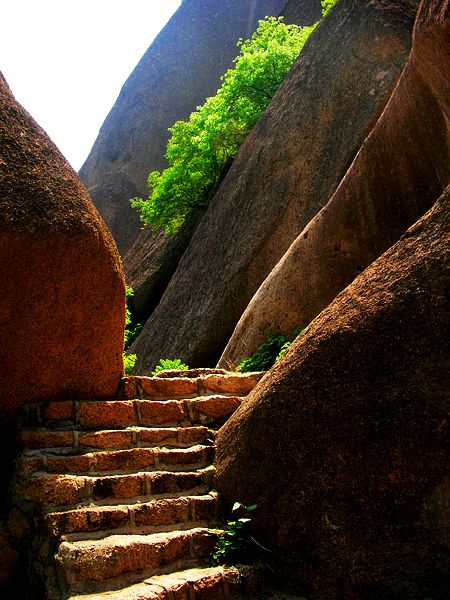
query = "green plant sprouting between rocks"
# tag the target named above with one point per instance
(168, 363)
(268, 352)
(327, 5)
(234, 543)
(201, 148)
(131, 333)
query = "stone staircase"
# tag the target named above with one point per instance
(114, 498)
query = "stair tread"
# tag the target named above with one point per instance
(158, 586)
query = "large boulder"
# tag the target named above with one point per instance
(181, 68)
(344, 444)
(153, 257)
(62, 301)
(401, 169)
(289, 166)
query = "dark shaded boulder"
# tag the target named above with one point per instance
(401, 169)
(150, 263)
(302, 12)
(345, 444)
(62, 301)
(289, 166)
(181, 68)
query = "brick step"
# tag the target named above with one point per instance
(111, 439)
(90, 565)
(239, 384)
(120, 414)
(132, 517)
(117, 461)
(201, 583)
(52, 490)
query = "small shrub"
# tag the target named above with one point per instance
(129, 360)
(266, 355)
(268, 352)
(234, 545)
(168, 363)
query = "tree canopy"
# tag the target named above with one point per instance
(200, 148)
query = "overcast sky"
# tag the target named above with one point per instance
(66, 60)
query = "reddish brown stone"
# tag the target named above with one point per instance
(53, 490)
(27, 465)
(206, 410)
(171, 387)
(162, 512)
(193, 435)
(232, 384)
(165, 483)
(55, 252)
(155, 437)
(186, 457)
(18, 524)
(118, 486)
(124, 460)
(209, 587)
(58, 411)
(203, 508)
(107, 414)
(105, 439)
(46, 439)
(344, 442)
(69, 464)
(159, 413)
(87, 519)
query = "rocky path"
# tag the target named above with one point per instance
(114, 498)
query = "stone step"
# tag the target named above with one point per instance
(89, 564)
(111, 439)
(207, 583)
(239, 384)
(90, 415)
(52, 490)
(133, 517)
(117, 461)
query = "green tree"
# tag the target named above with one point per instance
(200, 148)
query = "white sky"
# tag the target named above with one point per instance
(66, 60)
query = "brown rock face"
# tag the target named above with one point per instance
(181, 68)
(285, 172)
(401, 169)
(345, 443)
(304, 12)
(62, 301)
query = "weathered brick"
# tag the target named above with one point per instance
(208, 587)
(79, 463)
(53, 490)
(46, 439)
(124, 460)
(105, 439)
(97, 518)
(156, 436)
(211, 408)
(58, 411)
(27, 465)
(162, 512)
(118, 413)
(197, 455)
(193, 435)
(203, 508)
(157, 413)
(118, 486)
(165, 483)
(231, 384)
(172, 387)
(202, 544)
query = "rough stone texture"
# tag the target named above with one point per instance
(346, 441)
(285, 172)
(62, 301)
(401, 169)
(302, 12)
(153, 258)
(150, 263)
(181, 68)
